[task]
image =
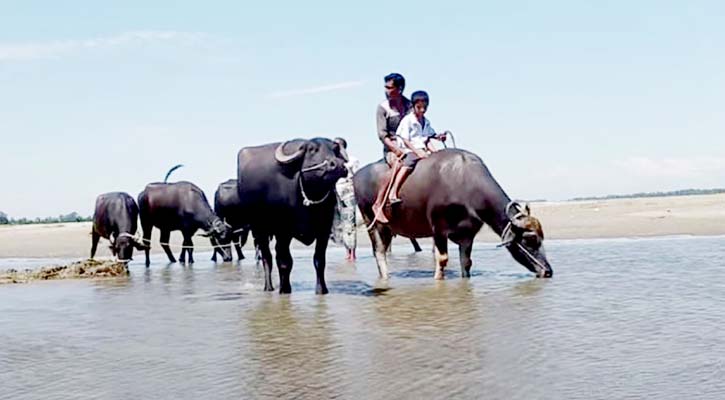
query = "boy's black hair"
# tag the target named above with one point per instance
(397, 79)
(419, 95)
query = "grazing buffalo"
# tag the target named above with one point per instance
(450, 195)
(179, 206)
(227, 207)
(286, 191)
(116, 219)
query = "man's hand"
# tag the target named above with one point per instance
(421, 153)
(442, 136)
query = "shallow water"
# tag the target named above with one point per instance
(621, 319)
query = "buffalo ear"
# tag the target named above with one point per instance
(341, 149)
(528, 209)
(341, 142)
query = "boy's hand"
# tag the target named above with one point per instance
(442, 136)
(421, 153)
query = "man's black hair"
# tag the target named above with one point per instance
(397, 80)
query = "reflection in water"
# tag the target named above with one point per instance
(293, 349)
(611, 324)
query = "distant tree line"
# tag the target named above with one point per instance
(683, 192)
(72, 217)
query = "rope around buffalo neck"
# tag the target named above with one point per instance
(306, 200)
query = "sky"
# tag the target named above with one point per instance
(560, 98)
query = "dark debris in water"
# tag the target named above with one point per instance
(349, 287)
(77, 270)
(428, 274)
(229, 296)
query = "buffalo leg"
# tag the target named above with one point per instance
(441, 250)
(214, 246)
(284, 263)
(238, 246)
(188, 246)
(243, 237)
(416, 246)
(464, 250)
(164, 238)
(94, 243)
(381, 237)
(263, 243)
(319, 260)
(147, 242)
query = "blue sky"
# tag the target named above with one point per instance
(560, 98)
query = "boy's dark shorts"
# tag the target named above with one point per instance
(410, 159)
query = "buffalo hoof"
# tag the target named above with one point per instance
(321, 290)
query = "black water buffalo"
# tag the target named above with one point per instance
(116, 218)
(179, 206)
(227, 207)
(451, 195)
(286, 191)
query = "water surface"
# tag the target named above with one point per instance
(621, 319)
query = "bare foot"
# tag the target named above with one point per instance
(379, 215)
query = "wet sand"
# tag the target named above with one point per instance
(660, 216)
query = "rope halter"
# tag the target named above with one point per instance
(305, 199)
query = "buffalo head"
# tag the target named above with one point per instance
(524, 240)
(320, 160)
(123, 246)
(220, 234)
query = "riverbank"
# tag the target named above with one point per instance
(645, 217)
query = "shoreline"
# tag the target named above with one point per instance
(700, 215)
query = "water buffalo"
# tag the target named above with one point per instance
(179, 206)
(226, 207)
(286, 191)
(116, 219)
(450, 195)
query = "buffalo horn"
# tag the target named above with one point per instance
(283, 158)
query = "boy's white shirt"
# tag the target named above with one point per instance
(411, 130)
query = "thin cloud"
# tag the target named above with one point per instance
(317, 89)
(41, 50)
